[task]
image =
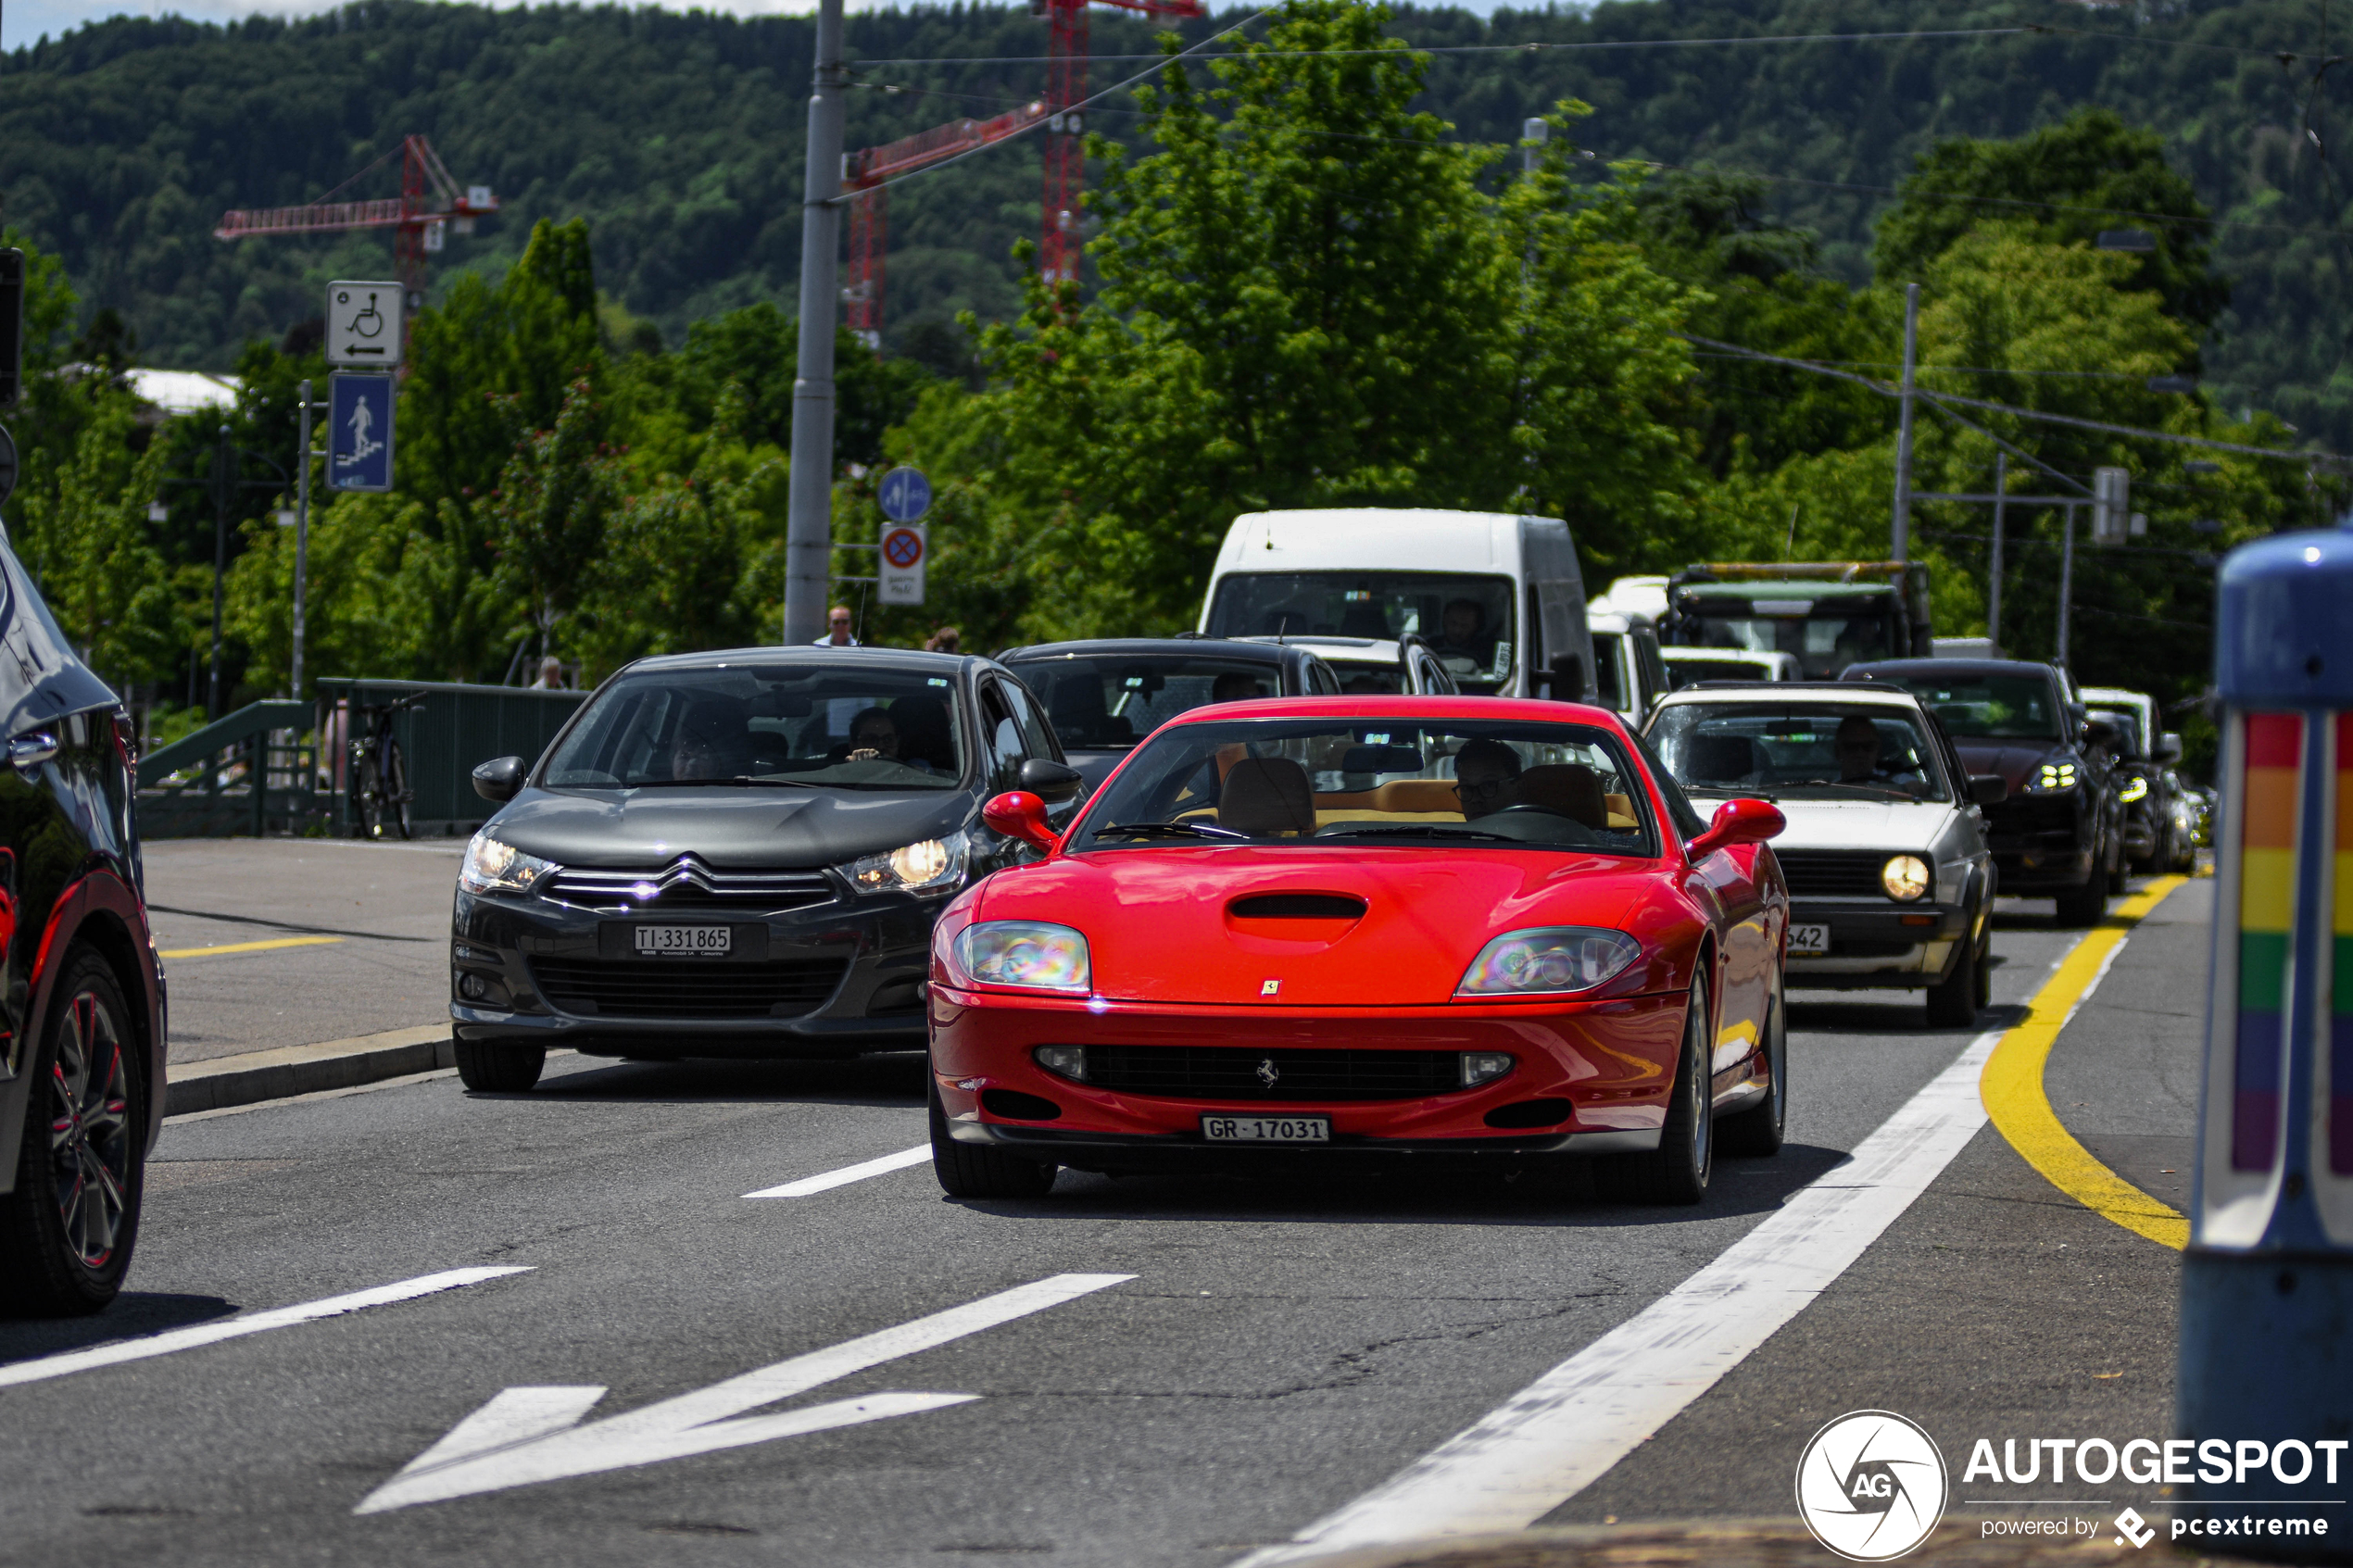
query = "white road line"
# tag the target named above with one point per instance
(526, 1435)
(1564, 1431)
(848, 1175)
(237, 1328)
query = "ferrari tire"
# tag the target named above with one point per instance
(68, 1230)
(1954, 1000)
(2086, 905)
(976, 1170)
(499, 1068)
(1678, 1170)
(1756, 1132)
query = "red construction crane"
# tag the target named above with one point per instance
(1060, 241)
(429, 200)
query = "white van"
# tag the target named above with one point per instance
(1498, 598)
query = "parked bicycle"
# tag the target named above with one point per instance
(379, 791)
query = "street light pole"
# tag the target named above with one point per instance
(2067, 583)
(1994, 575)
(1900, 531)
(225, 481)
(809, 527)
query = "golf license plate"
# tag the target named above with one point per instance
(1266, 1129)
(683, 941)
(1809, 940)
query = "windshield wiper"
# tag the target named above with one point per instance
(741, 781)
(1164, 830)
(1437, 830)
(1894, 790)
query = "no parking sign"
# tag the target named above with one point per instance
(904, 547)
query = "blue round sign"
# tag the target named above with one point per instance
(905, 494)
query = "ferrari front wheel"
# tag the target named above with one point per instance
(1678, 1169)
(978, 1170)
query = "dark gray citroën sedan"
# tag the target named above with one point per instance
(738, 854)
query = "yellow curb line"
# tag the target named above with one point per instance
(248, 946)
(2011, 1085)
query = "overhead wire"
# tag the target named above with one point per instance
(1529, 46)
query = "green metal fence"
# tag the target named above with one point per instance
(443, 739)
(263, 769)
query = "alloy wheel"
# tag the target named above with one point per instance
(90, 1135)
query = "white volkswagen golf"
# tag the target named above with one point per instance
(1891, 883)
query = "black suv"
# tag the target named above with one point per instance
(1104, 695)
(2059, 834)
(82, 1011)
(738, 854)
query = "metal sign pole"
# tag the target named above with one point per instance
(302, 535)
(2067, 584)
(1900, 541)
(809, 525)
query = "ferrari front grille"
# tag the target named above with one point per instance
(1241, 1072)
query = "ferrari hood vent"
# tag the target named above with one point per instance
(1297, 906)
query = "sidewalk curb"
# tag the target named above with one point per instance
(227, 1080)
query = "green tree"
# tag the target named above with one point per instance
(2067, 182)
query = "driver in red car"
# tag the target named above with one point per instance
(1486, 777)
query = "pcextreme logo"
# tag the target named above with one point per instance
(1871, 1485)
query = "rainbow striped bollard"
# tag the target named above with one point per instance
(2267, 1284)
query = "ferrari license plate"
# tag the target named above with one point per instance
(1809, 940)
(1266, 1129)
(683, 941)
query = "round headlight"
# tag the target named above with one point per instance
(1906, 878)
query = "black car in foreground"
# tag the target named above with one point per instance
(82, 994)
(1103, 697)
(2060, 834)
(738, 854)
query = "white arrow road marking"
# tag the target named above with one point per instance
(848, 1175)
(238, 1327)
(529, 1435)
(1563, 1432)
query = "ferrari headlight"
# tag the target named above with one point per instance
(1906, 878)
(493, 867)
(933, 865)
(1029, 953)
(2134, 789)
(1548, 961)
(2052, 778)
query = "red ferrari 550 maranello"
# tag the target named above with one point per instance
(1370, 926)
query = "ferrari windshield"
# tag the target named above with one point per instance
(1818, 750)
(782, 725)
(1355, 783)
(1110, 702)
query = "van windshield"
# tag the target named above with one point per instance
(1465, 620)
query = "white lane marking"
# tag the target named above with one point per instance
(236, 1328)
(1564, 1431)
(702, 1421)
(847, 1175)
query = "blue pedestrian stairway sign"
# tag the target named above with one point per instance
(359, 433)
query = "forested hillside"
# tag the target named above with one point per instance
(679, 137)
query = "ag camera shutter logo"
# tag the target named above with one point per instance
(1871, 1485)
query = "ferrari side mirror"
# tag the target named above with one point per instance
(1019, 814)
(1739, 822)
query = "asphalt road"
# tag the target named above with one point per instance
(1275, 1350)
